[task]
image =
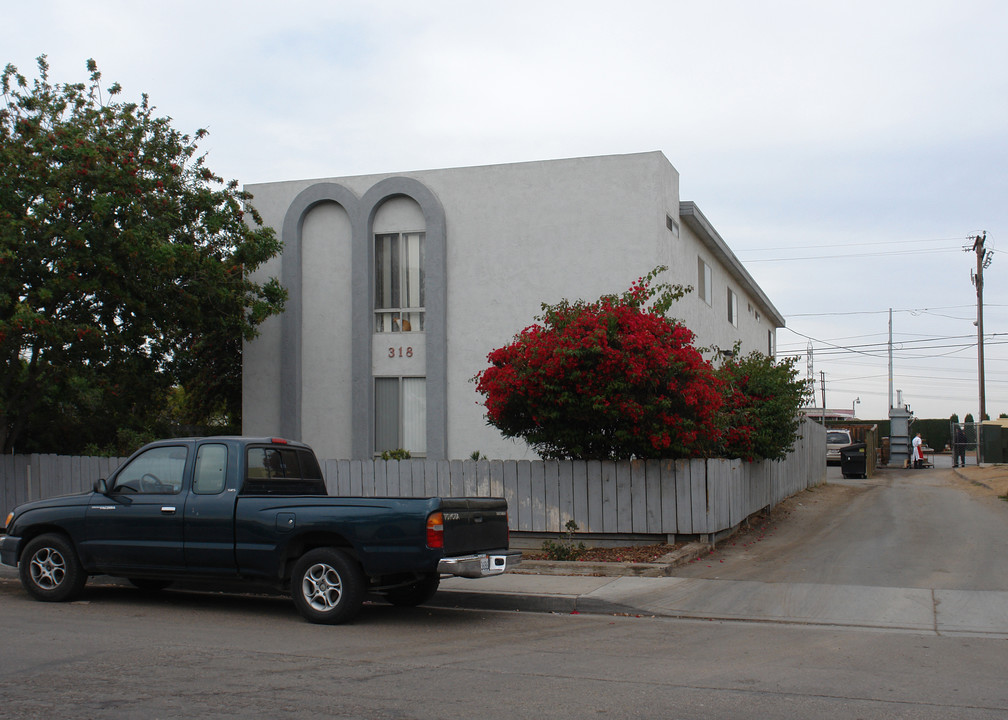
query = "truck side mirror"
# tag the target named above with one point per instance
(101, 486)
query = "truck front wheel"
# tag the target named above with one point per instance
(327, 586)
(49, 569)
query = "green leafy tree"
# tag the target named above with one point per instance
(125, 268)
(760, 412)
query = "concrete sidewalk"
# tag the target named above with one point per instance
(945, 612)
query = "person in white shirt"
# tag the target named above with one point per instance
(918, 452)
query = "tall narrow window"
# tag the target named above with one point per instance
(732, 308)
(704, 281)
(399, 282)
(401, 414)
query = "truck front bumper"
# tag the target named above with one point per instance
(9, 546)
(493, 562)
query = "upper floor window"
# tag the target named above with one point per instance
(704, 281)
(732, 308)
(399, 282)
(672, 225)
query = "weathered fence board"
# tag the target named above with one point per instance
(593, 489)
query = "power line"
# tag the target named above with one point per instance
(862, 244)
(850, 255)
(912, 311)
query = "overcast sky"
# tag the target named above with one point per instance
(846, 151)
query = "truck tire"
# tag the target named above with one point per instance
(416, 594)
(327, 586)
(49, 569)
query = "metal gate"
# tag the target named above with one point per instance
(966, 440)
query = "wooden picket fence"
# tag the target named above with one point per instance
(33, 477)
(645, 497)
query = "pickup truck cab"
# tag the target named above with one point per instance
(252, 509)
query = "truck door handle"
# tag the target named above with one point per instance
(167, 509)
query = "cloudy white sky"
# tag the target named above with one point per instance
(846, 151)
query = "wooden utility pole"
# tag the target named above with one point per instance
(822, 377)
(983, 258)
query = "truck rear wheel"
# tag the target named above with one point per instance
(49, 569)
(327, 586)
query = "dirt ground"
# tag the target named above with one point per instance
(986, 480)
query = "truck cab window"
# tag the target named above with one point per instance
(271, 470)
(157, 471)
(211, 469)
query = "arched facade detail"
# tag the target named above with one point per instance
(361, 213)
(292, 324)
(436, 311)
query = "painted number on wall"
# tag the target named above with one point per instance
(400, 352)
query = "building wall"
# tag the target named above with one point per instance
(710, 322)
(514, 236)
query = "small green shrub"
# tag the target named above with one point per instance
(565, 549)
(397, 454)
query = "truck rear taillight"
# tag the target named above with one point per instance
(435, 530)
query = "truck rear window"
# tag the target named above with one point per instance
(282, 471)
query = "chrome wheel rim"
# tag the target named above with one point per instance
(322, 587)
(48, 568)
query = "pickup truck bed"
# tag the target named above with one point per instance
(253, 509)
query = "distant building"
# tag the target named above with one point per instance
(400, 284)
(831, 414)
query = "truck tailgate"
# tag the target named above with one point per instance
(474, 524)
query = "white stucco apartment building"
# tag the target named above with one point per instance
(400, 284)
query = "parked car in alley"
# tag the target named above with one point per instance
(836, 439)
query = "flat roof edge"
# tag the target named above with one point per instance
(698, 223)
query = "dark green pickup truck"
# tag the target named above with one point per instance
(254, 509)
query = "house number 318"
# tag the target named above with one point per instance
(400, 352)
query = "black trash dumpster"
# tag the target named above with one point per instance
(853, 461)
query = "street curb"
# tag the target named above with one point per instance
(510, 602)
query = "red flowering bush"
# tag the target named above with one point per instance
(610, 379)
